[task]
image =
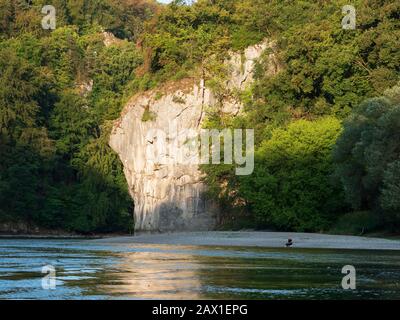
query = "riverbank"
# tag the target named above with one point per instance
(50, 237)
(28, 230)
(258, 239)
(62, 236)
(265, 239)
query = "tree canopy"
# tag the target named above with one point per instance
(61, 89)
(367, 156)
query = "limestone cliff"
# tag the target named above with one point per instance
(169, 196)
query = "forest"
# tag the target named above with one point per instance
(327, 124)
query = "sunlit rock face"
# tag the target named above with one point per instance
(169, 194)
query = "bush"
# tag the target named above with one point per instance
(179, 100)
(357, 223)
(367, 156)
(291, 187)
(390, 198)
(148, 115)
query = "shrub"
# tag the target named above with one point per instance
(291, 187)
(357, 223)
(367, 156)
(148, 115)
(177, 99)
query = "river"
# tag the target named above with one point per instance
(91, 270)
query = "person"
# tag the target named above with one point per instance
(289, 243)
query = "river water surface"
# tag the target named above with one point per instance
(90, 270)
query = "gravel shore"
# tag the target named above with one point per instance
(259, 239)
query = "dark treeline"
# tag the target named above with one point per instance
(59, 92)
(327, 124)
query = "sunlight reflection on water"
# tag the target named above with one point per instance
(88, 270)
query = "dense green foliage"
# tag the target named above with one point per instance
(321, 70)
(124, 18)
(368, 156)
(291, 188)
(60, 90)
